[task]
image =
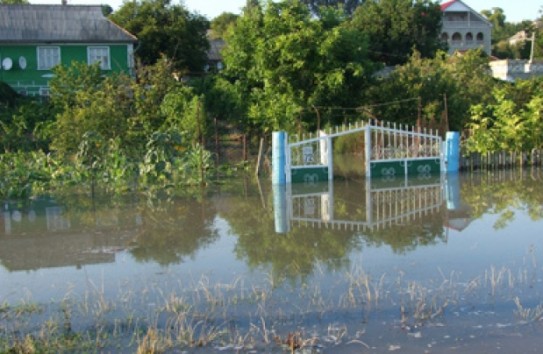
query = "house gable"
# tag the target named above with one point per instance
(460, 6)
(464, 28)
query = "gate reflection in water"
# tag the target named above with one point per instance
(386, 202)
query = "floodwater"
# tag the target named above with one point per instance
(421, 265)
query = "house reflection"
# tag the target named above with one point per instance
(43, 235)
(81, 230)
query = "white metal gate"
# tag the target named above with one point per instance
(391, 150)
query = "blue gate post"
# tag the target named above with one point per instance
(452, 152)
(280, 208)
(452, 191)
(279, 157)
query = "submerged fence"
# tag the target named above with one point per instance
(501, 160)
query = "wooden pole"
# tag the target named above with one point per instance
(318, 118)
(217, 147)
(419, 112)
(244, 141)
(446, 113)
(259, 160)
(200, 138)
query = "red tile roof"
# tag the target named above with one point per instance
(445, 5)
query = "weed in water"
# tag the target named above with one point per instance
(528, 314)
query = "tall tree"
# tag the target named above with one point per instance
(165, 29)
(496, 16)
(221, 23)
(286, 62)
(240, 57)
(347, 5)
(397, 27)
(503, 30)
(438, 90)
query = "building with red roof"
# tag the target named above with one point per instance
(464, 28)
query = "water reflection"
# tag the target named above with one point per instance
(288, 229)
(77, 231)
(44, 234)
(402, 213)
(454, 263)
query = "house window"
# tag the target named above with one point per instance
(99, 55)
(480, 37)
(48, 57)
(469, 38)
(44, 91)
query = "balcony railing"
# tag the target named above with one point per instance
(458, 45)
(465, 24)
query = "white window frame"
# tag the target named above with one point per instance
(93, 57)
(44, 91)
(49, 59)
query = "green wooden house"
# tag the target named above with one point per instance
(36, 38)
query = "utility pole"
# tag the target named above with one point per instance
(532, 49)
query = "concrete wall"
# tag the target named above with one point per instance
(511, 70)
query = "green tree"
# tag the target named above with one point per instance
(445, 87)
(223, 103)
(416, 90)
(165, 29)
(496, 16)
(221, 24)
(185, 112)
(503, 30)
(513, 123)
(22, 126)
(153, 83)
(397, 27)
(349, 6)
(107, 10)
(239, 56)
(283, 62)
(88, 102)
(471, 85)
(20, 118)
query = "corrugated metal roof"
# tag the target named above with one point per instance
(58, 23)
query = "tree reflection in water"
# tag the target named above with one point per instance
(348, 255)
(169, 229)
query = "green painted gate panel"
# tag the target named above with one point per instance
(387, 169)
(414, 168)
(309, 175)
(423, 167)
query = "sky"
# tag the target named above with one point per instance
(515, 11)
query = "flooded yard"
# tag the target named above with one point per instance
(422, 265)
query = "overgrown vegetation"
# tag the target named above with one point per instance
(291, 65)
(113, 131)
